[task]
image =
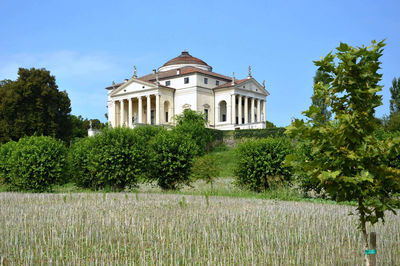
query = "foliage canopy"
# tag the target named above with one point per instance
(32, 104)
(349, 162)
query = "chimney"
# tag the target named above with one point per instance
(233, 78)
(126, 80)
(178, 71)
(157, 80)
(154, 71)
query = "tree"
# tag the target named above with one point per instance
(349, 162)
(80, 126)
(395, 98)
(269, 124)
(193, 125)
(32, 104)
(318, 100)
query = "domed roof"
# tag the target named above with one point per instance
(185, 58)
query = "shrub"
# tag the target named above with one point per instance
(259, 162)
(114, 159)
(205, 168)
(259, 133)
(302, 151)
(81, 164)
(5, 162)
(193, 125)
(34, 163)
(172, 156)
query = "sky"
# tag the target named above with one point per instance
(88, 44)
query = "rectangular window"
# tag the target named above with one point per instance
(205, 80)
(167, 83)
(186, 80)
(206, 114)
(217, 82)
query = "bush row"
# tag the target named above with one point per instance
(115, 159)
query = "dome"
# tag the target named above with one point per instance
(184, 60)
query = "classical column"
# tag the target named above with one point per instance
(140, 110)
(233, 107)
(115, 114)
(157, 109)
(252, 120)
(262, 115)
(246, 109)
(121, 113)
(148, 110)
(259, 110)
(130, 112)
(240, 109)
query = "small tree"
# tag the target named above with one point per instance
(348, 161)
(205, 168)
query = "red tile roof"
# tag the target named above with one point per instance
(185, 70)
(229, 84)
(185, 58)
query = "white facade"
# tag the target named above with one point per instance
(187, 82)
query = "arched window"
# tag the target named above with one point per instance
(222, 111)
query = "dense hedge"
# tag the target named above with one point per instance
(259, 133)
(171, 159)
(33, 163)
(259, 162)
(114, 159)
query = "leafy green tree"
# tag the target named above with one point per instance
(318, 99)
(205, 168)
(395, 98)
(349, 162)
(269, 124)
(32, 104)
(193, 125)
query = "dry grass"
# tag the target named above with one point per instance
(158, 229)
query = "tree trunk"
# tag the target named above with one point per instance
(363, 229)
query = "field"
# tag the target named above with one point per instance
(171, 229)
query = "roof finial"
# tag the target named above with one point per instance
(249, 76)
(264, 84)
(233, 78)
(134, 72)
(113, 83)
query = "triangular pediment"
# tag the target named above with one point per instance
(252, 85)
(131, 86)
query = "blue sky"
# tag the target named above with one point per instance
(89, 44)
